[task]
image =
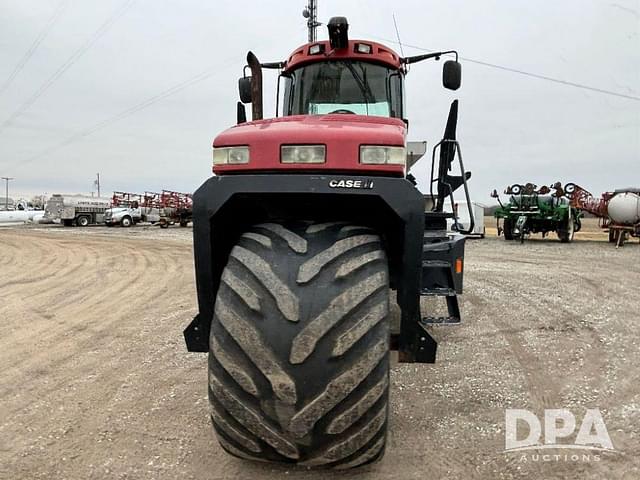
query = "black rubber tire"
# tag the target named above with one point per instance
(569, 188)
(126, 222)
(507, 229)
(299, 346)
(83, 221)
(566, 233)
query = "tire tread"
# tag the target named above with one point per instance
(299, 347)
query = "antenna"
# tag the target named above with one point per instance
(311, 14)
(398, 35)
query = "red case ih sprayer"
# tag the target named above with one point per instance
(309, 220)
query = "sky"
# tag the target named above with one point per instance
(137, 89)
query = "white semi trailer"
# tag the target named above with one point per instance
(76, 209)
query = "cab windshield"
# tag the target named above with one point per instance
(343, 86)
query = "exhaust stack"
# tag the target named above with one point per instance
(256, 86)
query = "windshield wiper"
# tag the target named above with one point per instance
(362, 84)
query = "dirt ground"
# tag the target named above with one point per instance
(95, 381)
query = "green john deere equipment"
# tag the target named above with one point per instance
(532, 210)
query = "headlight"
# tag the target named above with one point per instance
(302, 154)
(378, 155)
(230, 155)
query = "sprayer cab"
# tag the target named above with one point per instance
(357, 84)
(338, 60)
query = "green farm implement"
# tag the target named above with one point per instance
(536, 210)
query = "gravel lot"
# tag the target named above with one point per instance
(96, 382)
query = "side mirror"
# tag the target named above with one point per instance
(452, 74)
(241, 113)
(244, 87)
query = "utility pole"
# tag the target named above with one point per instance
(311, 14)
(6, 194)
(98, 183)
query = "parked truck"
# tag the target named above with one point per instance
(128, 216)
(166, 208)
(309, 220)
(77, 210)
(127, 209)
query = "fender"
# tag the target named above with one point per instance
(225, 206)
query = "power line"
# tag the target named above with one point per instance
(129, 111)
(70, 61)
(522, 72)
(34, 46)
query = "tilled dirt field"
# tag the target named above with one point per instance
(95, 381)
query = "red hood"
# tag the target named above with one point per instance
(342, 134)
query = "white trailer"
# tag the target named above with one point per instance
(462, 215)
(76, 209)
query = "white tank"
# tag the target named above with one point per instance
(78, 201)
(624, 208)
(56, 204)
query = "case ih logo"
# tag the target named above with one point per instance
(558, 423)
(364, 184)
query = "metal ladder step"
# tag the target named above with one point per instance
(430, 321)
(453, 309)
(436, 264)
(438, 292)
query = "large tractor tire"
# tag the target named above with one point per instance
(299, 346)
(507, 229)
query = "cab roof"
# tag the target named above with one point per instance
(364, 50)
